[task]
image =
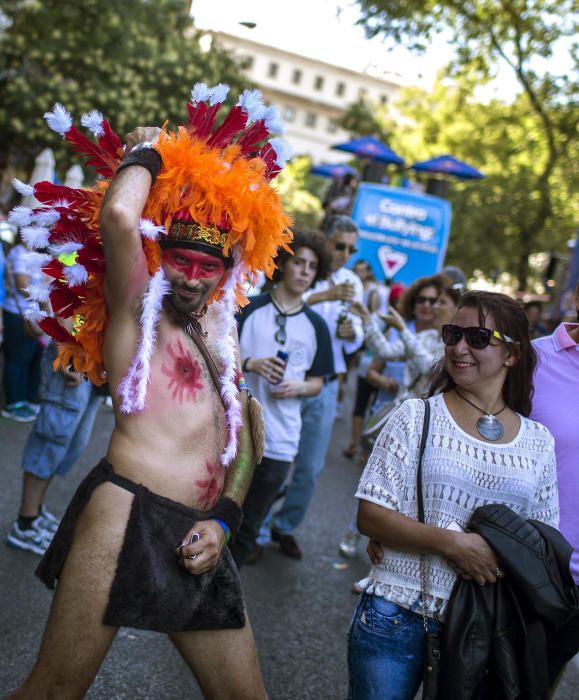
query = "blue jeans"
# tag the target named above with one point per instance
(21, 361)
(64, 424)
(318, 415)
(385, 650)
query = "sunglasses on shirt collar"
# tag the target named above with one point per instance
(476, 337)
(280, 335)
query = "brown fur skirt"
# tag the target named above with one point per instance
(149, 590)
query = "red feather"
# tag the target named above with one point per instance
(98, 159)
(202, 119)
(64, 302)
(233, 123)
(47, 193)
(53, 269)
(269, 156)
(110, 142)
(251, 139)
(53, 328)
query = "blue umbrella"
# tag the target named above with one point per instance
(448, 165)
(333, 170)
(370, 147)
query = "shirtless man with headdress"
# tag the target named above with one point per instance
(165, 244)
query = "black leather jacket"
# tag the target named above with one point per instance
(501, 641)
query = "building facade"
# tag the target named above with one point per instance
(312, 95)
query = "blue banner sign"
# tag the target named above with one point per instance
(403, 234)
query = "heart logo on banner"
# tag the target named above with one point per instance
(392, 261)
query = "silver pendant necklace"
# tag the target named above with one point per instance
(488, 425)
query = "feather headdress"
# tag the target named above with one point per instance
(213, 187)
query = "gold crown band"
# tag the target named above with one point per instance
(192, 231)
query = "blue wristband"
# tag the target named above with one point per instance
(225, 527)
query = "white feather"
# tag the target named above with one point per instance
(133, 388)
(282, 149)
(61, 204)
(149, 229)
(22, 188)
(33, 312)
(46, 217)
(41, 291)
(200, 93)
(75, 274)
(58, 119)
(272, 119)
(20, 216)
(252, 102)
(94, 122)
(65, 248)
(218, 94)
(34, 262)
(35, 236)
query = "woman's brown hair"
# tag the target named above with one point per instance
(510, 319)
(408, 300)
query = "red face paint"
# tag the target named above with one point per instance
(184, 373)
(194, 265)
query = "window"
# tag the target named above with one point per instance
(340, 89)
(296, 76)
(318, 82)
(332, 126)
(311, 119)
(247, 62)
(383, 99)
(273, 69)
(362, 93)
(289, 113)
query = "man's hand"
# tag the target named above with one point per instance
(141, 134)
(340, 292)
(345, 330)
(74, 378)
(289, 389)
(270, 368)
(472, 558)
(202, 555)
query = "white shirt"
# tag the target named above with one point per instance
(330, 311)
(15, 302)
(460, 473)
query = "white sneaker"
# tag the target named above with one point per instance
(348, 547)
(47, 521)
(33, 540)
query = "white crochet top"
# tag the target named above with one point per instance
(460, 473)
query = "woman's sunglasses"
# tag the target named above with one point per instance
(280, 335)
(342, 246)
(476, 337)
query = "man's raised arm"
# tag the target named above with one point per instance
(126, 267)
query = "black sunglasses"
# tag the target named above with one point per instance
(476, 337)
(280, 335)
(342, 246)
(426, 300)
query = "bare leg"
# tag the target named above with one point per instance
(75, 641)
(224, 662)
(33, 490)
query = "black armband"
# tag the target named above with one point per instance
(227, 510)
(147, 157)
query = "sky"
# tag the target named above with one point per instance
(327, 30)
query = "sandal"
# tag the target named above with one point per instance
(350, 451)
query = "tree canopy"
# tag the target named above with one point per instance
(518, 34)
(135, 61)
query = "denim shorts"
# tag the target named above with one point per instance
(385, 650)
(64, 424)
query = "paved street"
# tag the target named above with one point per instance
(299, 610)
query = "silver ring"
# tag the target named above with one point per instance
(499, 573)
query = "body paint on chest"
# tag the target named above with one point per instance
(184, 373)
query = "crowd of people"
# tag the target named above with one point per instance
(463, 427)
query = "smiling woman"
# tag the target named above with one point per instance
(470, 458)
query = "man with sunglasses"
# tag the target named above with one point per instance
(331, 299)
(274, 322)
